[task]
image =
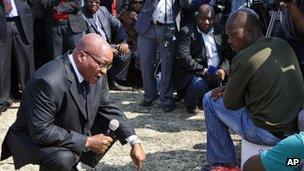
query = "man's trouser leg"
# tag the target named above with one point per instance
(147, 53)
(220, 148)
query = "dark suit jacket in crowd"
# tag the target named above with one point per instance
(109, 23)
(26, 18)
(72, 7)
(191, 59)
(52, 115)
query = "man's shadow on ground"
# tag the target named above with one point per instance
(167, 161)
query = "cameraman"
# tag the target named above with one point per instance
(292, 27)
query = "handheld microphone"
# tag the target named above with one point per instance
(113, 126)
(212, 71)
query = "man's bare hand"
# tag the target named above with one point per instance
(115, 51)
(217, 92)
(220, 74)
(287, 4)
(98, 143)
(123, 48)
(138, 156)
(133, 15)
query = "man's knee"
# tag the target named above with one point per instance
(59, 161)
(206, 99)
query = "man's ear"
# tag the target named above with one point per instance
(250, 33)
(80, 56)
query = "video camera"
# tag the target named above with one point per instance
(221, 6)
(273, 4)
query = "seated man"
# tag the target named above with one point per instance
(280, 156)
(128, 19)
(263, 96)
(100, 21)
(65, 108)
(200, 45)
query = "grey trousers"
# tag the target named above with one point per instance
(149, 44)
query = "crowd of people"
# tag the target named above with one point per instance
(213, 54)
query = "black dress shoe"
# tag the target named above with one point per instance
(168, 108)
(147, 103)
(115, 86)
(191, 110)
(4, 106)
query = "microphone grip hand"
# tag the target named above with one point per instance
(98, 143)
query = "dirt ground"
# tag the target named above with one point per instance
(172, 141)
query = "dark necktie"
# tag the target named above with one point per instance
(8, 7)
(84, 90)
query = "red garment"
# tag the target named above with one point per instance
(60, 16)
(7, 6)
(114, 8)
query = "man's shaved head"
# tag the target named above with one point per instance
(243, 28)
(205, 18)
(244, 17)
(92, 55)
(206, 8)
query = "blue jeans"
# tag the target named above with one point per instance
(220, 148)
(196, 89)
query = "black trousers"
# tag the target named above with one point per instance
(62, 39)
(19, 49)
(119, 70)
(59, 160)
(62, 159)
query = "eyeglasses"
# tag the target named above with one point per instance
(138, 2)
(98, 63)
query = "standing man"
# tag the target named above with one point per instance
(263, 96)
(200, 45)
(102, 22)
(16, 43)
(292, 27)
(156, 27)
(64, 112)
(64, 24)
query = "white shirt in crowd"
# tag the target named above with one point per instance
(14, 12)
(163, 12)
(211, 50)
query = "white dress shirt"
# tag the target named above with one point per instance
(164, 8)
(211, 50)
(14, 12)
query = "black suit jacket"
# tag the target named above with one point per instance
(52, 114)
(191, 54)
(26, 18)
(108, 22)
(72, 7)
